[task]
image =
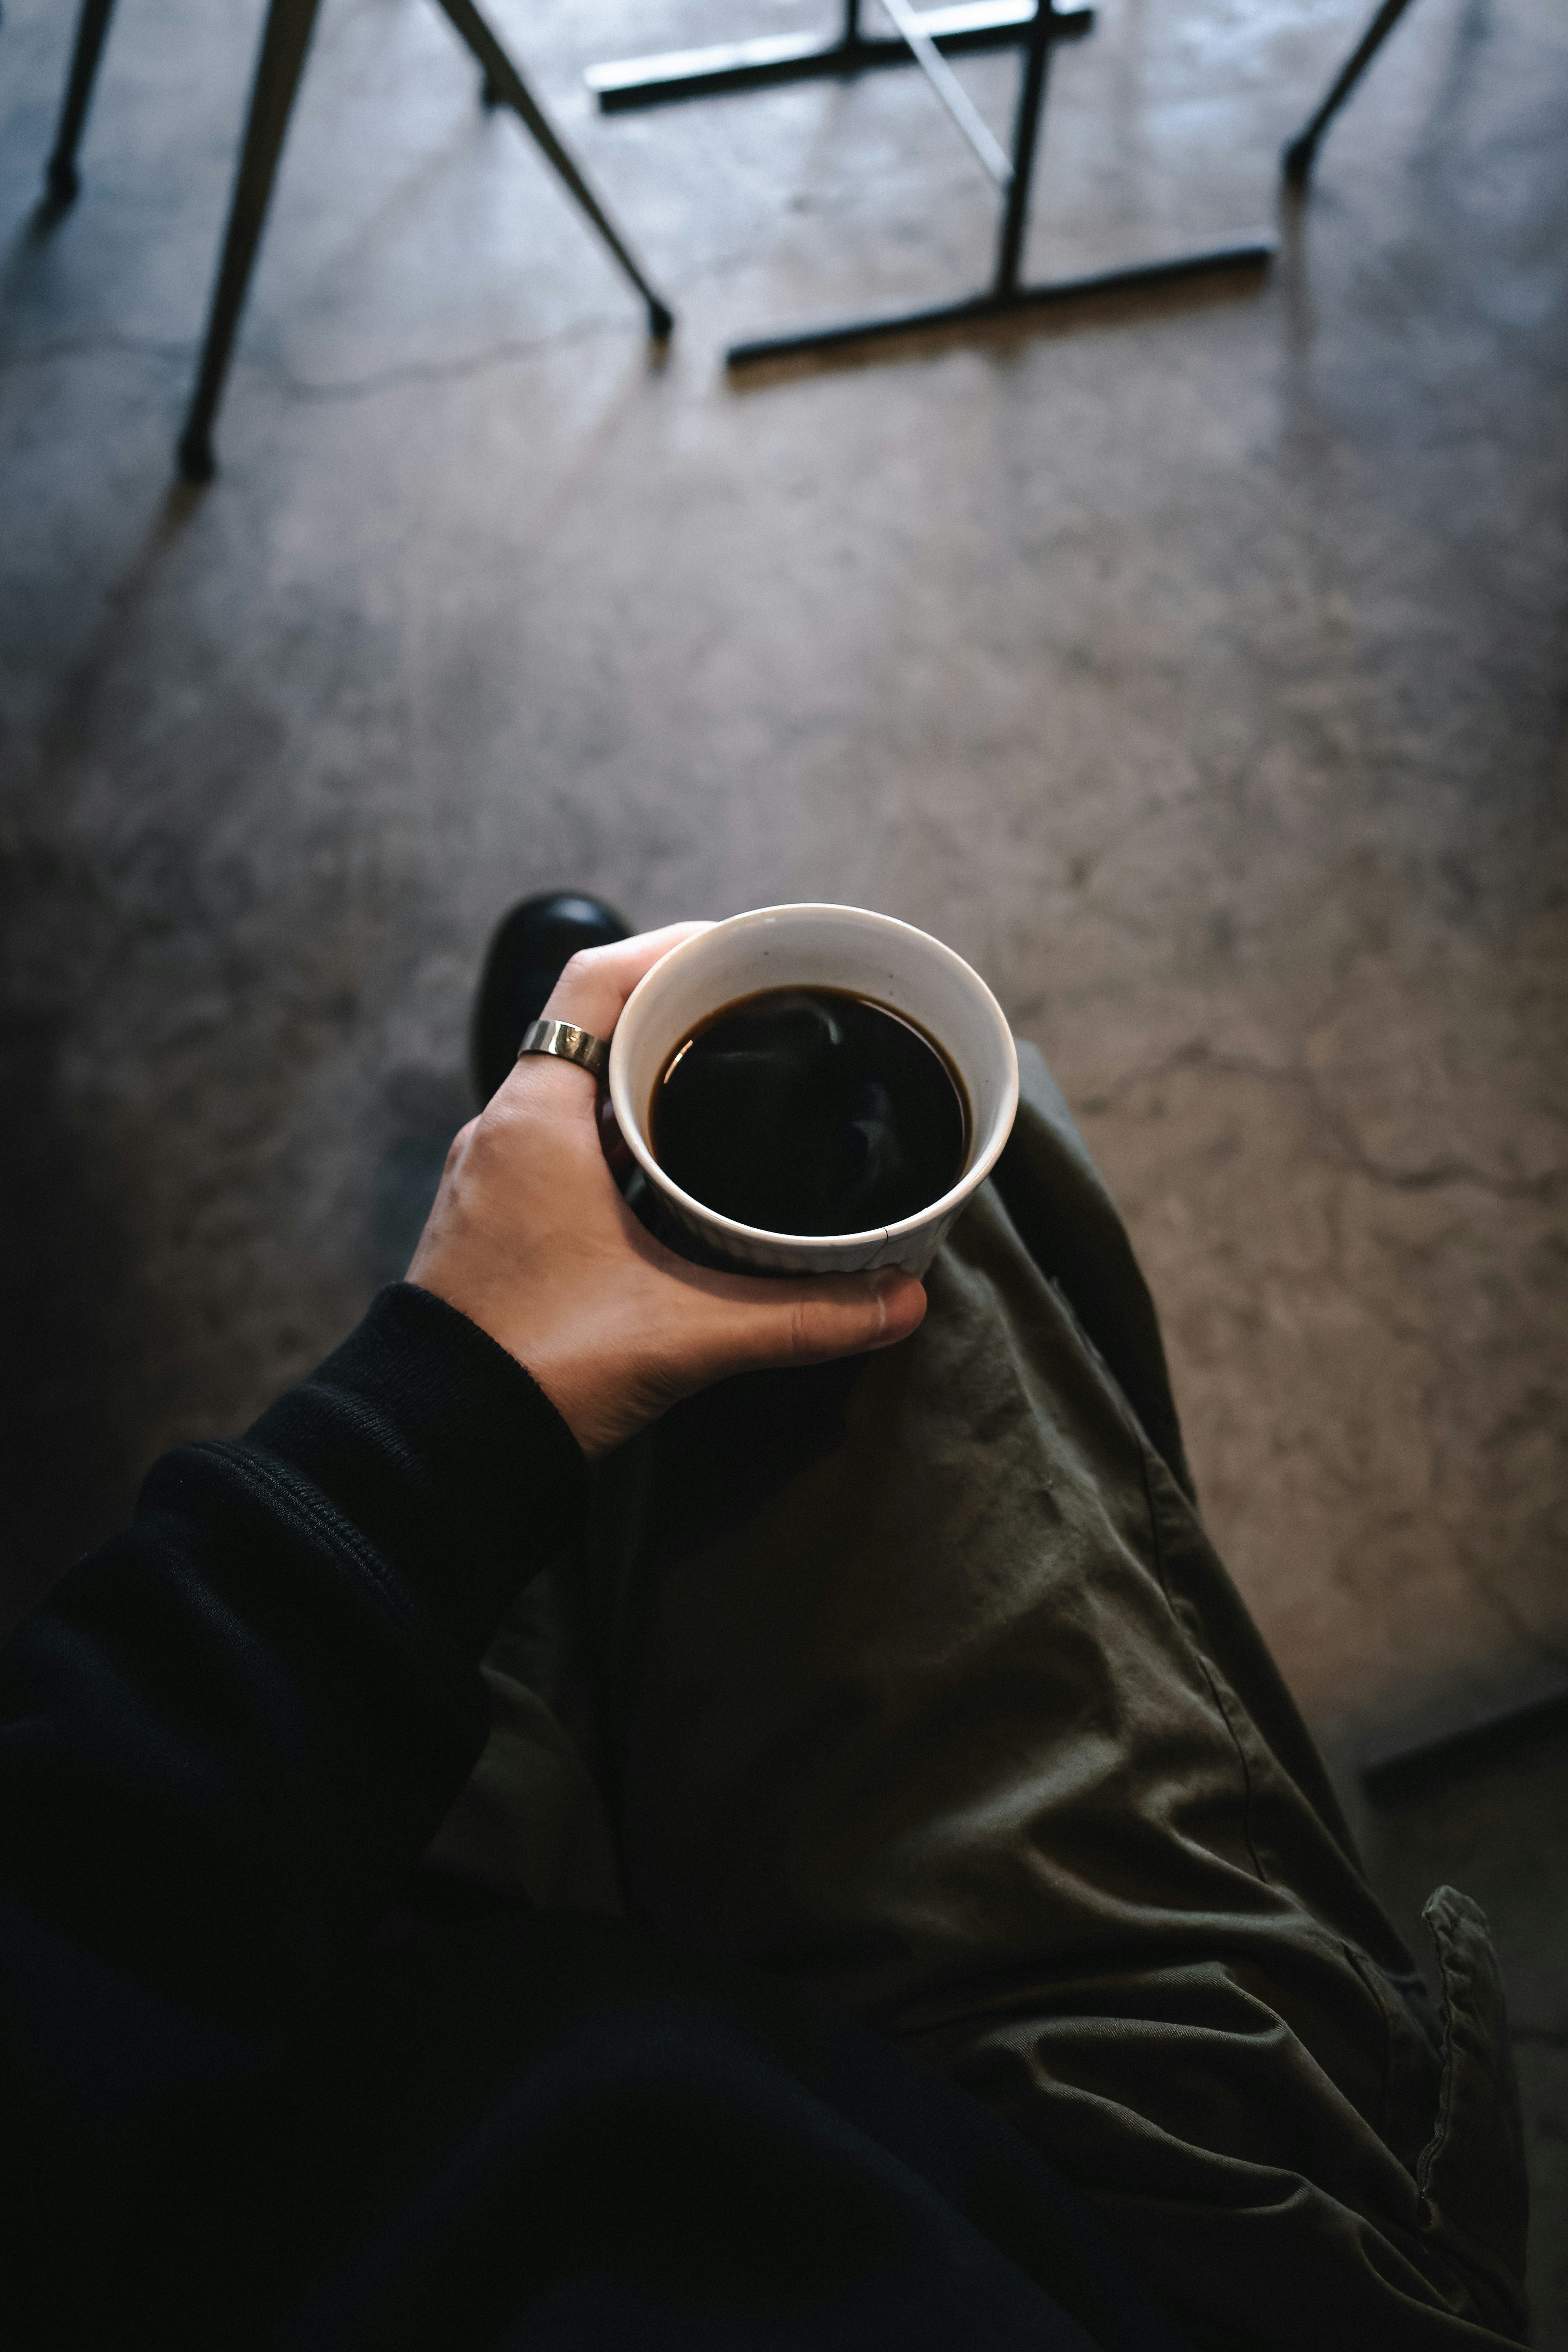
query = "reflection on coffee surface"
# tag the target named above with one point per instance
(807, 1110)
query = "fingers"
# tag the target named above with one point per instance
(590, 993)
(595, 984)
(812, 1322)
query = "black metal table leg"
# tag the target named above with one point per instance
(284, 39)
(1302, 153)
(61, 175)
(1026, 139)
(1249, 259)
(1006, 296)
(505, 85)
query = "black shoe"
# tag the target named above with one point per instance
(527, 955)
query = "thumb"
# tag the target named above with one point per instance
(810, 1322)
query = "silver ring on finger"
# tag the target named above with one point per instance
(568, 1044)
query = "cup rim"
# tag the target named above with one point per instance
(973, 1176)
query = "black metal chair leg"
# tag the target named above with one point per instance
(1301, 153)
(284, 39)
(502, 79)
(61, 175)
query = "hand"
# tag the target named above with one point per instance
(529, 1238)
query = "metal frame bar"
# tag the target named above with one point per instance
(952, 31)
(1302, 153)
(285, 39)
(504, 86)
(966, 115)
(976, 309)
(60, 174)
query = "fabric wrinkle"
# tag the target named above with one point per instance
(954, 1715)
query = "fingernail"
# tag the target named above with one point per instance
(885, 1279)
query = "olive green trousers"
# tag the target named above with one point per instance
(917, 1680)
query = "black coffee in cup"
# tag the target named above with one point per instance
(810, 1112)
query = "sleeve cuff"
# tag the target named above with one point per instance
(442, 1451)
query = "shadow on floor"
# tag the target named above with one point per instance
(60, 1462)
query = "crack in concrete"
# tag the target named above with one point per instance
(506, 352)
(513, 350)
(471, 363)
(72, 347)
(1198, 1055)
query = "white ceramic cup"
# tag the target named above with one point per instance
(817, 947)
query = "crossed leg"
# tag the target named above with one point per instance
(917, 1680)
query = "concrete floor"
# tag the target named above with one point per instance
(1195, 666)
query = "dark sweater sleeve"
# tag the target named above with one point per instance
(226, 1736)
